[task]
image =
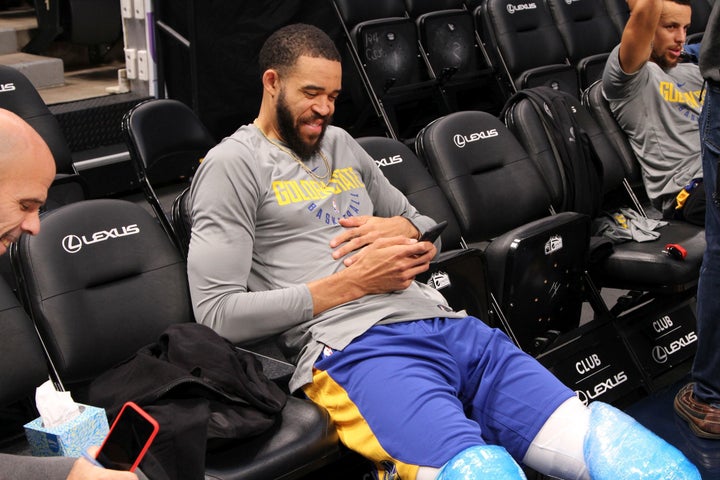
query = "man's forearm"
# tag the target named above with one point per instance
(386, 265)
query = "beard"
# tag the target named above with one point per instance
(662, 61)
(290, 131)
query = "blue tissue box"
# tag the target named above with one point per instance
(71, 438)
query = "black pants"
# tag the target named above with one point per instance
(693, 210)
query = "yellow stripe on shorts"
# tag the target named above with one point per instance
(352, 428)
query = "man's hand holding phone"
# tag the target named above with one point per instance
(432, 233)
(129, 438)
(86, 468)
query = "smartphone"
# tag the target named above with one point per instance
(128, 440)
(432, 233)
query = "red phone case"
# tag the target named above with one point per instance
(150, 438)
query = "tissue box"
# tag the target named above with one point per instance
(71, 438)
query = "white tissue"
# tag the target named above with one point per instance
(55, 407)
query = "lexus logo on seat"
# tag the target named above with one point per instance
(74, 243)
(512, 8)
(462, 140)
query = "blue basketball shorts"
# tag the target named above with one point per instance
(417, 393)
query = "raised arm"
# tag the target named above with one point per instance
(637, 38)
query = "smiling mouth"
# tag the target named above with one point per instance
(6, 240)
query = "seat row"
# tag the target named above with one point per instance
(559, 43)
(106, 278)
(416, 60)
(509, 257)
(496, 183)
(509, 261)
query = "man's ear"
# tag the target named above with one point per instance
(271, 81)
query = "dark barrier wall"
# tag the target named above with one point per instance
(227, 36)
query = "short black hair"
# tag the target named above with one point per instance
(282, 49)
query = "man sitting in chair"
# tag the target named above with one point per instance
(656, 100)
(296, 233)
(27, 169)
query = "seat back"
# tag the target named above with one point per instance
(487, 176)
(167, 141)
(22, 359)
(386, 41)
(101, 281)
(535, 260)
(588, 34)
(447, 33)
(20, 97)
(409, 175)
(631, 264)
(585, 27)
(619, 12)
(527, 44)
(700, 13)
(182, 220)
(599, 108)
(460, 274)
(567, 146)
(392, 68)
(455, 55)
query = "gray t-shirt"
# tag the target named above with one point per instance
(659, 111)
(261, 231)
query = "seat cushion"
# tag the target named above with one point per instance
(644, 266)
(303, 437)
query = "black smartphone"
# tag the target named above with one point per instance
(128, 440)
(432, 233)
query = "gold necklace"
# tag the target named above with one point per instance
(294, 156)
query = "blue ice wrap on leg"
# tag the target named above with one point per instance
(482, 461)
(617, 447)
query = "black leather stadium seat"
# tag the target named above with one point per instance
(23, 368)
(383, 45)
(459, 272)
(632, 265)
(22, 359)
(167, 142)
(410, 175)
(20, 97)
(588, 34)
(619, 12)
(658, 285)
(104, 280)
(662, 272)
(594, 99)
(83, 22)
(181, 220)
(449, 40)
(535, 261)
(525, 43)
(700, 13)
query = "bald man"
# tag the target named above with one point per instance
(27, 169)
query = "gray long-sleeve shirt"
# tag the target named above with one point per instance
(261, 231)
